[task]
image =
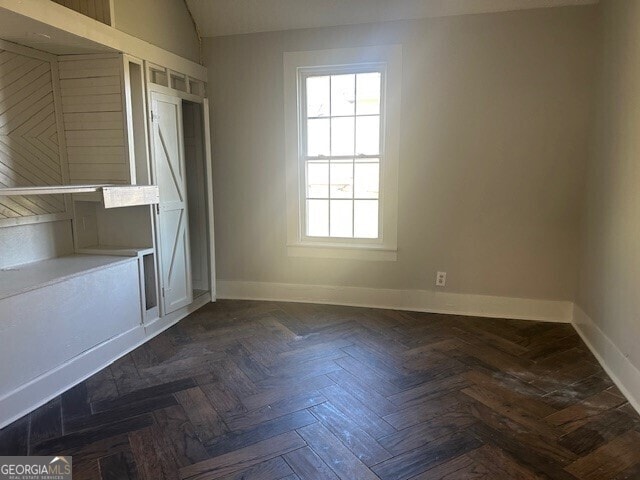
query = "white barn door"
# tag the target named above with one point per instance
(173, 225)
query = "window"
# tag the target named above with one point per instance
(340, 130)
(341, 122)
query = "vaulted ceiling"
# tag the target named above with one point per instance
(229, 17)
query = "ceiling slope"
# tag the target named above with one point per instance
(230, 17)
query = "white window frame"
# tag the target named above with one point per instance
(297, 65)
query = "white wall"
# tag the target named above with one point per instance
(493, 144)
(609, 313)
(33, 242)
(165, 23)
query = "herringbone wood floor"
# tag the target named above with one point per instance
(262, 390)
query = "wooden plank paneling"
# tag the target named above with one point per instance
(71, 85)
(96, 138)
(92, 104)
(92, 99)
(29, 152)
(98, 172)
(94, 121)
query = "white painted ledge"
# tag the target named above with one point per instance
(342, 252)
(412, 300)
(623, 373)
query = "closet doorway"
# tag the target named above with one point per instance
(184, 217)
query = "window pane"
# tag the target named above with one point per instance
(368, 135)
(365, 222)
(317, 96)
(368, 90)
(342, 137)
(318, 137)
(318, 179)
(342, 179)
(318, 218)
(343, 89)
(341, 218)
(367, 180)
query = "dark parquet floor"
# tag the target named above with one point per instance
(267, 390)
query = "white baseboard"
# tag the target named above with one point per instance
(46, 387)
(40, 390)
(413, 300)
(623, 373)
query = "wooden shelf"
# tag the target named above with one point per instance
(115, 251)
(113, 196)
(50, 190)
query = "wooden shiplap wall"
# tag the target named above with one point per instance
(92, 104)
(29, 150)
(97, 9)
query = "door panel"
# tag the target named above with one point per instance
(173, 224)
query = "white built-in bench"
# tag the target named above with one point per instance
(32, 276)
(55, 312)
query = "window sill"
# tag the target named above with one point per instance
(346, 252)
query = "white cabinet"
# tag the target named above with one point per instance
(76, 176)
(123, 187)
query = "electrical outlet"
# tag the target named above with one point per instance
(441, 279)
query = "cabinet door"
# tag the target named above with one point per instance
(173, 225)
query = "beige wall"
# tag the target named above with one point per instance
(165, 23)
(610, 266)
(493, 144)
